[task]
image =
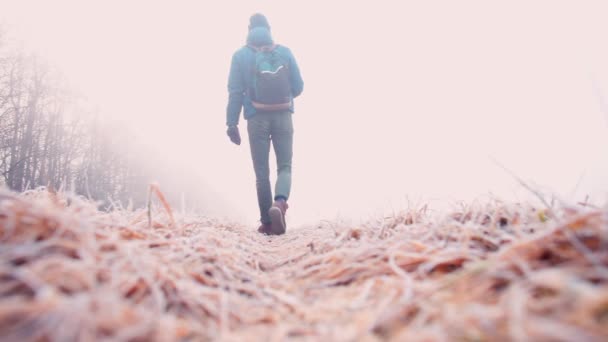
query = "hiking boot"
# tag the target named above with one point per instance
(277, 217)
(265, 229)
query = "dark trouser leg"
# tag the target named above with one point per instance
(282, 141)
(258, 128)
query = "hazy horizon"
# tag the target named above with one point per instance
(401, 99)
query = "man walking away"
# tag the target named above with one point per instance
(264, 79)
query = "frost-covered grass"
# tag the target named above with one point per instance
(495, 271)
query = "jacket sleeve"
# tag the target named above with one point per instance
(236, 92)
(297, 84)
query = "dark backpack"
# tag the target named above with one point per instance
(270, 88)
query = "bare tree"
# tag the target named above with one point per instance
(48, 138)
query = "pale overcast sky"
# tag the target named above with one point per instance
(401, 98)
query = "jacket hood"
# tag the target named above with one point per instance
(259, 36)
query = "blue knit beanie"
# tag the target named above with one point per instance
(258, 20)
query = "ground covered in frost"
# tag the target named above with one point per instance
(483, 272)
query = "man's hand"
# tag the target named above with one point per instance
(233, 133)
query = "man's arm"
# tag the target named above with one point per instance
(236, 92)
(297, 84)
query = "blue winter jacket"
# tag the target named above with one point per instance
(241, 75)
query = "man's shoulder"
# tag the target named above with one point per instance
(284, 51)
(283, 48)
(243, 50)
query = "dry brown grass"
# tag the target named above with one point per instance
(483, 273)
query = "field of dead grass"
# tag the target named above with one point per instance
(486, 272)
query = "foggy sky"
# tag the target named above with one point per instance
(402, 99)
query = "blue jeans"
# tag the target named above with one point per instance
(264, 128)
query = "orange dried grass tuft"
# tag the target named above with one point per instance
(154, 189)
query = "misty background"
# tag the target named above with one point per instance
(404, 101)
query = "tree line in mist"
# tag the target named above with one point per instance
(50, 138)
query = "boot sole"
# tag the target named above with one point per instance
(277, 221)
